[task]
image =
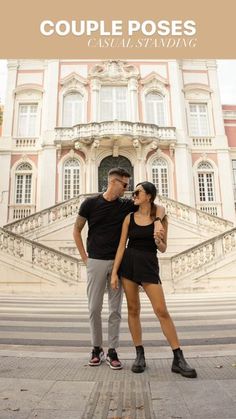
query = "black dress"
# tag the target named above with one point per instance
(140, 263)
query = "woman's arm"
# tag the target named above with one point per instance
(120, 252)
(158, 227)
(161, 242)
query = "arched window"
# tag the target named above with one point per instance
(110, 162)
(160, 176)
(72, 109)
(71, 179)
(113, 103)
(206, 182)
(155, 113)
(23, 184)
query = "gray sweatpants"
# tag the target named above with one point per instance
(99, 275)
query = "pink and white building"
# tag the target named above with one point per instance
(66, 122)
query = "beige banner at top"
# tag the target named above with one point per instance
(106, 29)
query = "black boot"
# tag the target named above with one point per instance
(139, 364)
(180, 366)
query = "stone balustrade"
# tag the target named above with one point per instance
(195, 216)
(203, 255)
(24, 143)
(109, 128)
(69, 208)
(19, 211)
(39, 256)
(202, 142)
(46, 217)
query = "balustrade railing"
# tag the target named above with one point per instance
(17, 212)
(202, 142)
(101, 129)
(69, 208)
(196, 216)
(46, 217)
(40, 256)
(203, 255)
(25, 143)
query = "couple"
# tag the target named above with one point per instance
(111, 221)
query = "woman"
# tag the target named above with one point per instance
(137, 264)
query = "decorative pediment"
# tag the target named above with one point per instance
(73, 82)
(150, 78)
(28, 89)
(197, 90)
(114, 70)
(155, 82)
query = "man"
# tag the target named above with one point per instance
(105, 214)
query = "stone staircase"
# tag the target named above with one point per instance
(211, 265)
(35, 267)
(53, 226)
(39, 249)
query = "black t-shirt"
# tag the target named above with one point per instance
(105, 220)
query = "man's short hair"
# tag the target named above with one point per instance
(119, 171)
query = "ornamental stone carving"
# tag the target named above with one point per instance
(74, 82)
(114, 70)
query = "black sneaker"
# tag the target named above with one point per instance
(112, 360)
(97, 357)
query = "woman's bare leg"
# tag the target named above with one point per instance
(131, 290)
(156, 296)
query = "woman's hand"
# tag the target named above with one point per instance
(114, 281)
(159, 231)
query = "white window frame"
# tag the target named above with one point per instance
(214, 170)
(198, 115)
(196, 93)
(81, 110)
(206, 182)
(14, 172)
(114, 102)
(234, 177)
(160, 175)
(170, 170)
(27, 95)
(28, 115)
(60, 170)
(155, 109)
(72, 170)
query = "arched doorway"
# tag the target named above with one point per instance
(108, 163)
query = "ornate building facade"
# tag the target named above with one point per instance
(67, 122)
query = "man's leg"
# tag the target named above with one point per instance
(115, 298)
(96, 284)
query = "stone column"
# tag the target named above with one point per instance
(139, 167)
(47, 169)
(183, 163)
(226, 182)
(133, 96)
(184, 177)
(6, 142)
(9, 100)
(95, 88)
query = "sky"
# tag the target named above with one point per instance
(226, 73)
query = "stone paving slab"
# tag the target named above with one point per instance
(217, 368)
(63, 388)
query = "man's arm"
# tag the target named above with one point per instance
(78, 226)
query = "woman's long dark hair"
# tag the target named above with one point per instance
(150, 189)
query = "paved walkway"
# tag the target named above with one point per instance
(54, 381)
